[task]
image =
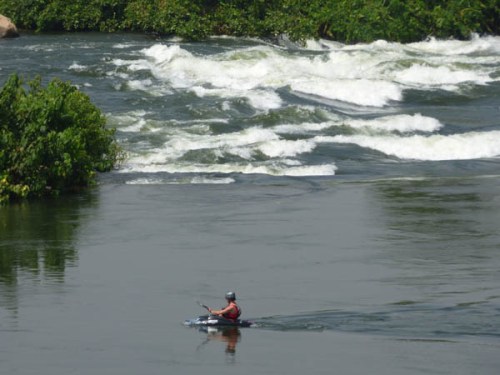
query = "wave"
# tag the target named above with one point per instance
(256, 108)
(413, 321)
(272, 169)
(384, 124)
(477, 45)
(202, 180)
(191, 147)
(467, 146)
(373, 75)
(443, 77)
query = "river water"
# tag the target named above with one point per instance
(350, 195)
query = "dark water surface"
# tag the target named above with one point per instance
(358, 223)
(102, 284)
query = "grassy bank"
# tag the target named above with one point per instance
(347, 21)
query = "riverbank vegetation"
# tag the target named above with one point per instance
(52, 140)
(342, 20)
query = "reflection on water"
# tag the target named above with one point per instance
(230, 336)
(438, 222)
(433, 209)
(37, 244)
(441, 239)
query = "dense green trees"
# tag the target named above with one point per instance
(52, 139)
(342, 20)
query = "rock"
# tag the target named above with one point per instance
(7, 28)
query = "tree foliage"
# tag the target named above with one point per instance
(342, 20)
(52, 139)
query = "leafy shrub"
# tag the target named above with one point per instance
(183, 18)
(52, 139)
(63, 15)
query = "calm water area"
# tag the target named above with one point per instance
(350, 195)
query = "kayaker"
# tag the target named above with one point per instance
(232, 311)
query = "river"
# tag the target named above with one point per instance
(350, 195)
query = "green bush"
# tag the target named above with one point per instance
(63, 15)
(52, 139)
(169, 17)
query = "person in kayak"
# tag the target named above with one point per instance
(232, 311)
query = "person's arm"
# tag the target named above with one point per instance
(221, 312)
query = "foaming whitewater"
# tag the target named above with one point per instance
(247, 77)
(384, 124)
(437, 147)
(373, 75)
(398, 123)
(443, 77)
(488, 45)
(253, 150)
(256, 73)
(249, 107)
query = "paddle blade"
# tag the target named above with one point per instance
(202, 305)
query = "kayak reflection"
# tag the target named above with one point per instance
(220, 329)
(229, 335)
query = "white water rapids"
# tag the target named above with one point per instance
(361, 95)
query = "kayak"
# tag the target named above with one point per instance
(216, 321)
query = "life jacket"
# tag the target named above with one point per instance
(234, 313)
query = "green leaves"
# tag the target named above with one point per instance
(52, 139)
(343, 20)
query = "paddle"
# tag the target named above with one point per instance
(204, 306)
